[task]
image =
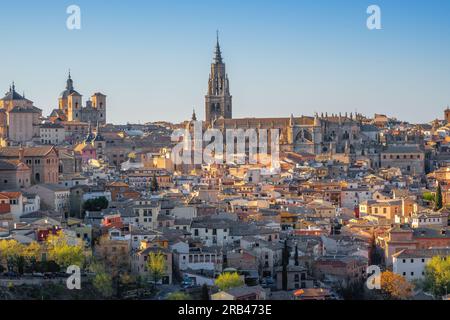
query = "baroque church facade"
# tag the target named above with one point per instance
(70, 106)
(324, 134)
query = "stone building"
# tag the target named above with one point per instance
(410, 159)
(43, 161)
(218, 101)
(14, 174)
(19, 118)
(52, 133)
(70, 103)
(315, 135)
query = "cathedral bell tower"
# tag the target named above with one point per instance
(218, 101)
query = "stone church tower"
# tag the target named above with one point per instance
(70, 104)
(218, 100)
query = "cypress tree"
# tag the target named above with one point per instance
(285, 262)
(154, 187)
(438, 198)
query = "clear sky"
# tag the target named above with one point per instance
(152, 58)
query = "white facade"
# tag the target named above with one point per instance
(411, 263)
(195, 259)
(185, 212)
(146, 214)
(352, 197)
(52, 134)
(31, 204)
(212, 236)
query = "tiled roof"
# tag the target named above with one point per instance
(19, 109)
(11, 195)
(13, 152)
(9, 164)
(421, 253)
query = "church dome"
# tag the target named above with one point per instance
(69, 89)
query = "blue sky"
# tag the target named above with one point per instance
(152, 58)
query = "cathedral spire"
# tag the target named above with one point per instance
(218, 53)
(194, 116)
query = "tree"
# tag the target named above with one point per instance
(438, 198)
(102, 280)
(375, 258)
(205, 292)
(63, 253)
(351, 290)
(428, 196)
(296, 256)
(179, 296)
(228, 280)
(284, 263)
(156, 266)
(32, 251)
(18, 256)
(10, 250)
(97, 204)
(437, 276)
(395, 287)
(154, 187)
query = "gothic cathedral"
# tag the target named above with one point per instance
(218, 102)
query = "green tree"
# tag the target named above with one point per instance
(228, 280)
(102, 280)
(96, 204)
(284, 263)
(179, 296)
(154, 186)
(296, 256)
(438, 198)
(63, 253)
(351, 290)
(428, 196)
(437, 276)
(156, 266)
(375, 257)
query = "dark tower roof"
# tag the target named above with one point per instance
(69, 88)
(12, 94)
(218, 53)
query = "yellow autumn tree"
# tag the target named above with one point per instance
(228, 280)
(10, 252)
(9, 249)
(32, 251)
(395, 286)
(156, 264)
(64, 253)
